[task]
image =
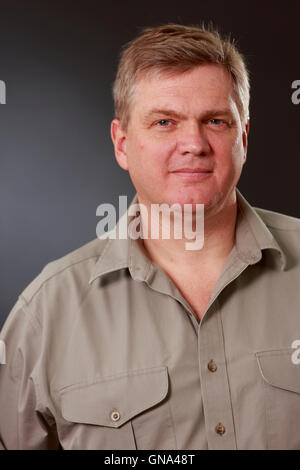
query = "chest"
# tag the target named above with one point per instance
(198, 301)
(197, 292)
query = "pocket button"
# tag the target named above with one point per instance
(115, 416)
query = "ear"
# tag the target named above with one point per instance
(245, 138)
(118, 136)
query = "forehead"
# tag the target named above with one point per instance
(204, 85)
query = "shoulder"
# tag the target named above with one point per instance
(73, 269)
(277, 220)
(285, 229)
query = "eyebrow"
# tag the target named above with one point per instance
(175, 114)
(165, 111)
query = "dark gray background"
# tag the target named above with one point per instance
(58, 59)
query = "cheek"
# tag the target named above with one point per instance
(154, 154)
(233, 150)
(134, 147)
(238, 152)
(229, 158)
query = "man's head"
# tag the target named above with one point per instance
(176, 48)
(181, 102)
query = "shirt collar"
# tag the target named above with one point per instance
(123, 253)
(252, 236)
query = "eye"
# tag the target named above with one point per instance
(163, 123)
(216, 121)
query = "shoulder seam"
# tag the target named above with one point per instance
(283, 228)
(55, 274)
(30, 316)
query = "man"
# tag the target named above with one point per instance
(141, 343)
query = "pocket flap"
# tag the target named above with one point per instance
(278, 369)
(111, 401)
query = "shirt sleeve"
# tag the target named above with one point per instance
(22, 425)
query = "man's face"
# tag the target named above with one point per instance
(184, 142)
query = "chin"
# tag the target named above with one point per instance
(192, 199)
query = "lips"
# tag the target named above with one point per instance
(192, 174)
(192, 170)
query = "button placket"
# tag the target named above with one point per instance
(214, 379)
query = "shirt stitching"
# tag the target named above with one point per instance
(220, 328)
(108, 378)
(56, 274)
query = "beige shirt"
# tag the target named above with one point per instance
(103, 352)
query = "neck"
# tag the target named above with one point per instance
(219, 235)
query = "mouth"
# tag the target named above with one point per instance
(192, 172)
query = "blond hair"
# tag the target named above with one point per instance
(177, 48)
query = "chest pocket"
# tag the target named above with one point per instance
(124, 411)
(282, 398)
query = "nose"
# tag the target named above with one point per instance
(193, 140)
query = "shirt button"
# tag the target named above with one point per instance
(220, 429)
(115, 416)
(212, 366)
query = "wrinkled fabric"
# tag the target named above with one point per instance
(103, 351)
